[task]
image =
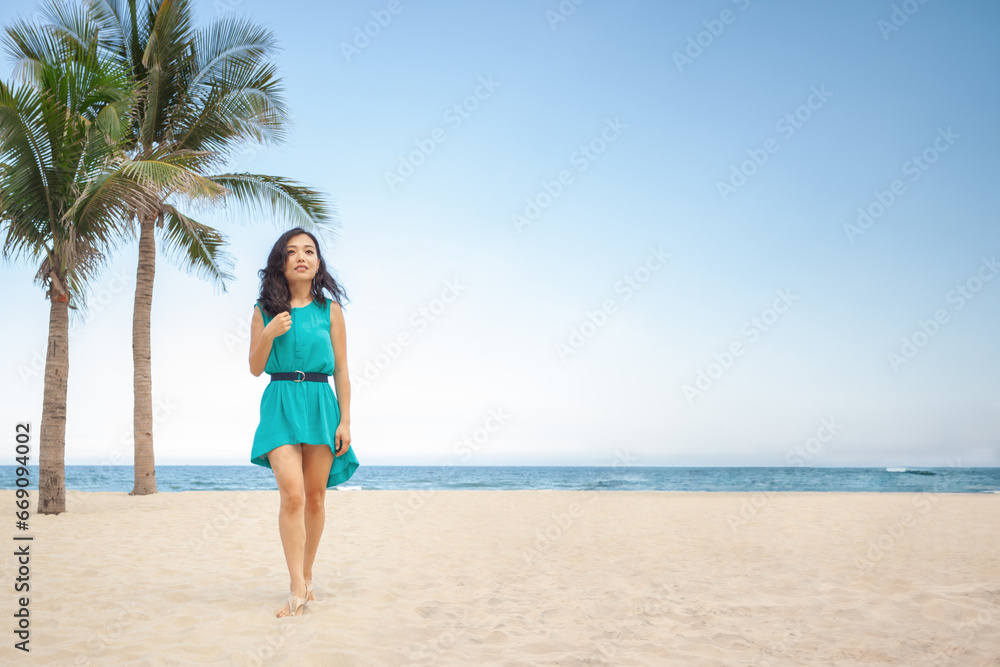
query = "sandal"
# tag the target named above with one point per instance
(294, 604)
(309, 591)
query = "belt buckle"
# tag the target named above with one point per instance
(300, 379)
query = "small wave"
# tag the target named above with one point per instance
(895, 469)
(611, 483)
(348, 488)
(910, 471)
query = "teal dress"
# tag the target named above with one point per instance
(301, 412)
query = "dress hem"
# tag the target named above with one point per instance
(341, 470)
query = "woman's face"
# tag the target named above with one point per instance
(301, 261)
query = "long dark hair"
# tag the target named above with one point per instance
(274, 293)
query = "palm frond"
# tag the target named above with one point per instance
(147, 107)
(231, 39)
(25, 184)
(171, 178)
(72, 22)
(168, 58)
(263, 196)
(64, 191)
(28, 45)
(247, 105)
(113, 196)
(196, 247)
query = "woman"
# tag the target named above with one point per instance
(297, 335)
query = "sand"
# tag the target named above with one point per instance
(518, 578)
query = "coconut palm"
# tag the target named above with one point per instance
(207, 93)
(65, 188)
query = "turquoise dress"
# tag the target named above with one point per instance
(301, 412)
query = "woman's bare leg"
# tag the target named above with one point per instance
(286, 462)
(316, 463)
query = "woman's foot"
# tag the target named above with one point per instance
(309, 592)
(294, 607)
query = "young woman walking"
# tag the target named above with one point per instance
(298, 337)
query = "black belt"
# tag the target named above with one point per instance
(299, 376)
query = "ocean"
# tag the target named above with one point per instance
(579, 478)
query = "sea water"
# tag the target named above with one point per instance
(579, 478)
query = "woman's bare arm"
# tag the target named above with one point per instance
(260, 344)
(341, 381)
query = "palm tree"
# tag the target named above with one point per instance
(65, 187)
(206, 94)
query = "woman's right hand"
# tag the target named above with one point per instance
(281, 323)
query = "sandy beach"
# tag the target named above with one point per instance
(519, 578)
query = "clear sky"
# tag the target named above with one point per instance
(750, 234)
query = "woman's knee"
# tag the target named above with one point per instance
(292, 500)
(315, 500)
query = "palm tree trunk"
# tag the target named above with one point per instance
(52, 439)
(142, 381)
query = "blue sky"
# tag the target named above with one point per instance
(641, 261)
